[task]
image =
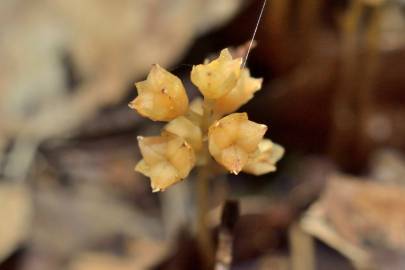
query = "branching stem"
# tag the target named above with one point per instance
(203, 178)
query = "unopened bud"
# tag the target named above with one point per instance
(265, 158)
(218, 77)
(186, 129)
(161, 97)
(166, 160)
(239, 95)
(233, 139)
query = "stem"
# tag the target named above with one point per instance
(203, 177)
(343, 113)
(278, 17)
(308, 17)
(367, 83)
(203, 233)
(302, 249)
(230, 215)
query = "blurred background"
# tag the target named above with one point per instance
(333, 96)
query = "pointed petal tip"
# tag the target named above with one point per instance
(132, 104)
(235, 172)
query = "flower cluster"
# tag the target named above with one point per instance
(201, 127)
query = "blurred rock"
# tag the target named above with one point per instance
(70, 221)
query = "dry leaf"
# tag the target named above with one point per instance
(359, 218)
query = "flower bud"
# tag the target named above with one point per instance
(161, 97)
(233, 139)
(243, 91)
(265, 158)
(166, 160)
(196, 106)
(185, 128)
(195, 112)
(218, 77)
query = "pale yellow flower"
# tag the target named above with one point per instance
(218, 77)
(166, 160)
(236, 143)
(243, 91)
(233, 139)
(265, 158)
(161, 97)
